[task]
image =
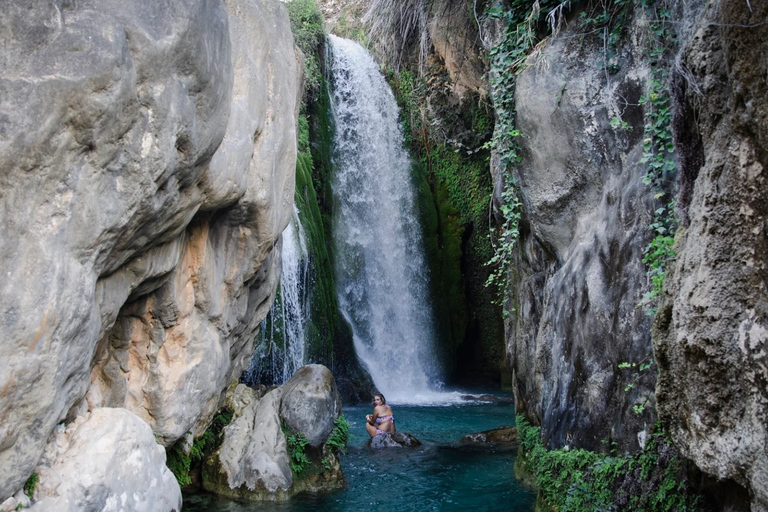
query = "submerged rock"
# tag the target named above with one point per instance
(394, 440)
(498, 435)
(106, 460)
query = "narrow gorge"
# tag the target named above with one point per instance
(226, 223)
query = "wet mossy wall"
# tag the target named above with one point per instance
(454, 193)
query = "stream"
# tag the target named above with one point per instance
(437, 476)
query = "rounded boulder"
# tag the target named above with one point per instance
(311, 403)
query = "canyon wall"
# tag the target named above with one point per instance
(148, 155)
(711, 331)
(579, 274)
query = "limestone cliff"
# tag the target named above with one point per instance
(711, 333)
(579, 273)
(147, 154)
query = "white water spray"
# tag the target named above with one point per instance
(381, 274)
(281, 349)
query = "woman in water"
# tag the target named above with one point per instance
(382, 420)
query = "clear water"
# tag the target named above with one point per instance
(438, 476)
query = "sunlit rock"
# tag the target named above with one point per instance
(106, 460)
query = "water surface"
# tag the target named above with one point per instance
(438, 476)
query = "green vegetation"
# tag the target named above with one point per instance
(658, 155)
(297, 455)
(654, 479)
(180, 459)
(30, 484)
(337, 441)
(522, 23)
(308, 33)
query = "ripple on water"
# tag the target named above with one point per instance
(437, 476)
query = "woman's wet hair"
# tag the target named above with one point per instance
(383, 400)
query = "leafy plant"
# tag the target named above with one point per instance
(337, 441)
(30, 484)
(297, 456)
(308, 33)
(578, 480)
(179, 459)
(658, 155)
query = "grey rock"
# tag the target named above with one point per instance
(252, 461)
(579, 273)
(498, 435)
(107, 460)
(147, 153)
(311, 403)
(394, 440)
(711, 331)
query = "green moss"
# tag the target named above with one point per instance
(653, 479)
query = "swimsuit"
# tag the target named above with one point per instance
(383, 418)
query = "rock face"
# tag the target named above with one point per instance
(579, 274)
(711, 332)
(253, 462)
(147, 154)
(118, 463)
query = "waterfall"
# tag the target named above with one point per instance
(280, 351)
(381, 273)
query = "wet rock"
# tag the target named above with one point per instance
(311, 403)
(394, 440)
(489, 398)
(106, 460)
(499, 435)
(579, 272)
(253, 462)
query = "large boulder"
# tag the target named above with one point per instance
(117, 465)
(311, 403)
(147, 158)
(253, 461)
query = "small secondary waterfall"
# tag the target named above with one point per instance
(381, 273)
(280, 351)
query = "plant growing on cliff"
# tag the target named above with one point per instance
(308, 32)
(653, 479)
(297, 455)
(31, 484)
(180, 458)
(658, 155)
(507, 60)
(337, 441)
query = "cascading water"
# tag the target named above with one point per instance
(382, 277)
(281, 349)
